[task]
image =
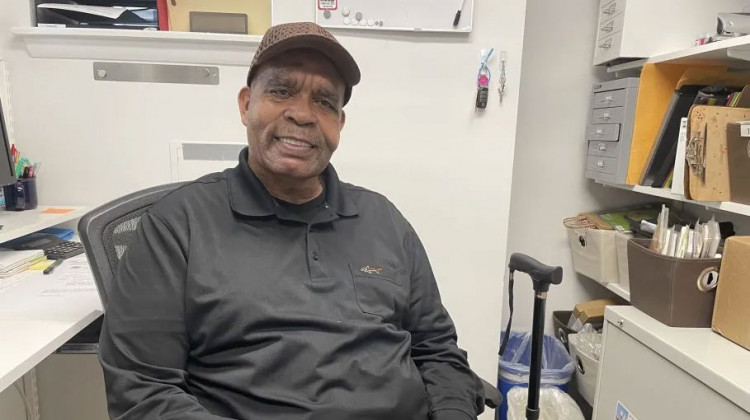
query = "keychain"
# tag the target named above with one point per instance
(483, 81)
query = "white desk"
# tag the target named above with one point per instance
(41, 313)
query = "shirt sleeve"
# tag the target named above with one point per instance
(451, 385)
(144, 344)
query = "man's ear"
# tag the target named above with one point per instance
(243, 101)
(342, 120)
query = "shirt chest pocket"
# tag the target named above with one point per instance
(380, 291)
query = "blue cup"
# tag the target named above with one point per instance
(21, 195)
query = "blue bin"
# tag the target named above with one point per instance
(557, 366)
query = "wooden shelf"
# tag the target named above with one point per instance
(136, 45)
(726, 206)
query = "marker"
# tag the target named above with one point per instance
(52, 267)
(458, 12)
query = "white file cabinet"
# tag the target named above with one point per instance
(632, 29)
(659, 372)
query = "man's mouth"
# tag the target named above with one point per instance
(294, 142)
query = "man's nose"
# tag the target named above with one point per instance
(300, 111)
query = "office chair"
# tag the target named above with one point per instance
(105, 233)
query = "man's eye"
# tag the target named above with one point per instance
(328, 105)
(280, 92)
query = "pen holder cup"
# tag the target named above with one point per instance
(675, 291)
(21, 195)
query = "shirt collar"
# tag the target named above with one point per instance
(248, 195)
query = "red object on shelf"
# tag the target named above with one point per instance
(161, 11)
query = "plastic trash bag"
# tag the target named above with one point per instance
(557, 365)
(553, 405)
(590, 342)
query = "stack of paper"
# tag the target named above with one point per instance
(13, 262)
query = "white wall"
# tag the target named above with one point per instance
(411, 133)
(548, 181)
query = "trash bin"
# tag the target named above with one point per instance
(557, 366)
(587, 362)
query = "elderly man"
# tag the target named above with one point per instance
(275, 291)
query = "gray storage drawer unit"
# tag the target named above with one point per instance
(610, 130)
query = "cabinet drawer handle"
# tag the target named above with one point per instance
(608, 27)
(610, 10)
(605, 116)
(602, 147)
(599, 132)
(600, 164)
(606, 45)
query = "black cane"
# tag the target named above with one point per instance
(542, 276)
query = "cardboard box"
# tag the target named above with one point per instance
(591, 312)
(732, 308)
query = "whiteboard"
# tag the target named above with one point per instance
(395, 15)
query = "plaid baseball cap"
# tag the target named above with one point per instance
(288, 36)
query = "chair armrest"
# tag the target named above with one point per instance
(492, 396)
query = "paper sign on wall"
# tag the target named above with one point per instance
(328, 4)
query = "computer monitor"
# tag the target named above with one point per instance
(7, 173)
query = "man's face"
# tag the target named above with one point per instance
(293, 115)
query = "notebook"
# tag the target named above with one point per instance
(11, 260)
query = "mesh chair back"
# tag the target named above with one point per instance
(106, 231)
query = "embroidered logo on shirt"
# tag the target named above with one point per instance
(371, 270)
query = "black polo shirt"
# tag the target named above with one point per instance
(227, 304)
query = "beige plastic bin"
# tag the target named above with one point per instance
(587, 368)
(621, 244)
(594, 253)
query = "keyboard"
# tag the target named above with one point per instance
(64, 250)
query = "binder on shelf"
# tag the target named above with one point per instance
(657, 85)
(162, 13)
(660, 162)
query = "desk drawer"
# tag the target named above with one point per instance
(603, 132)
(608, 115)
(609, 99)
(603, 164)
(604, 148)
(611, 26)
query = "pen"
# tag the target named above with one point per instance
(458, 12)
(52, 267)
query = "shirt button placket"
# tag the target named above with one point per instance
(316, 269)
